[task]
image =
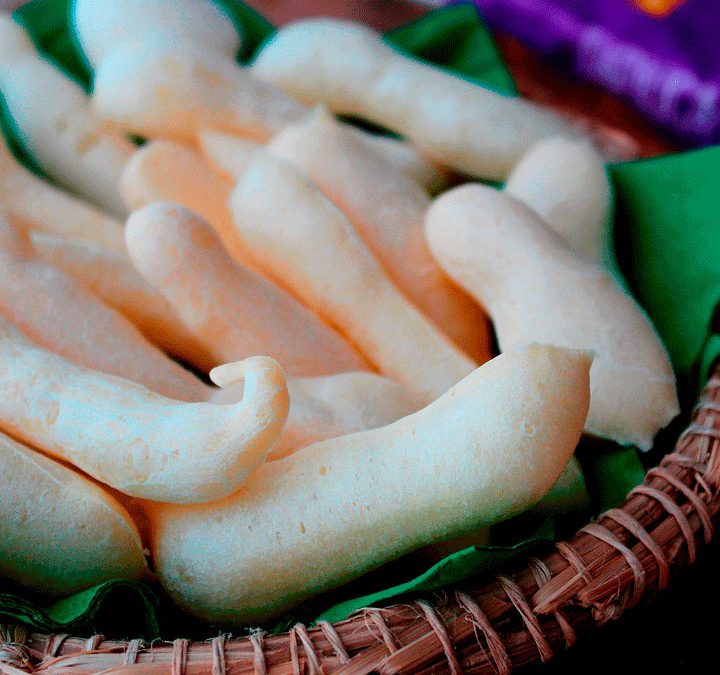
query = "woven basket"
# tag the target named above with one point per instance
(523, 616)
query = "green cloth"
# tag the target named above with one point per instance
(128, 607)
(457, 40)
(452, 570)
(252, 26)
(667, 242)
(47, 22)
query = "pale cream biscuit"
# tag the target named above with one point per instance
(349, 68)
(234, 312)
(387, 208)
(564, 181)
(45, 208)
(486, 450)
(168, 171)
(306, 241)
(58, 127)
(61, 533)
(99, 25)
(160, 88)
(536, 289)
(137, 441)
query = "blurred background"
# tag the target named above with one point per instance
(647, 71)
(659, 55)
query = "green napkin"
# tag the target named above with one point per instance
(456, 39)
(127, 608)
(667, 244)
(252, 25)
(46, 21)
(471, 561)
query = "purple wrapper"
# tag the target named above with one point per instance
(663, 55)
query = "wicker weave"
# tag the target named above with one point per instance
(519, 618)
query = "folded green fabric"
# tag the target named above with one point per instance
(456, 39)
(667, 243)
(46, 21)
(119, 607)
(455, 568)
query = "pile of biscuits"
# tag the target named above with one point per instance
(340, 298)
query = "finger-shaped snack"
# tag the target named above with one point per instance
(348, 67)
(312, 247)
(133, 439)
(58, 127)
(61, 533)
(161, 88)
(565, 182)
(331, 406)
(14, 41)
(233, 312)
(110, 276)
(57, 313)
(387, 210)
(537, 289)
(230, 154)
(180, 255)
(166, 171)
(487, 449)
(404, 156)
(43, 207)
(321, 407)
(99, 25)
(567, 495)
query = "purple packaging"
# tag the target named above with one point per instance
(663, 55)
